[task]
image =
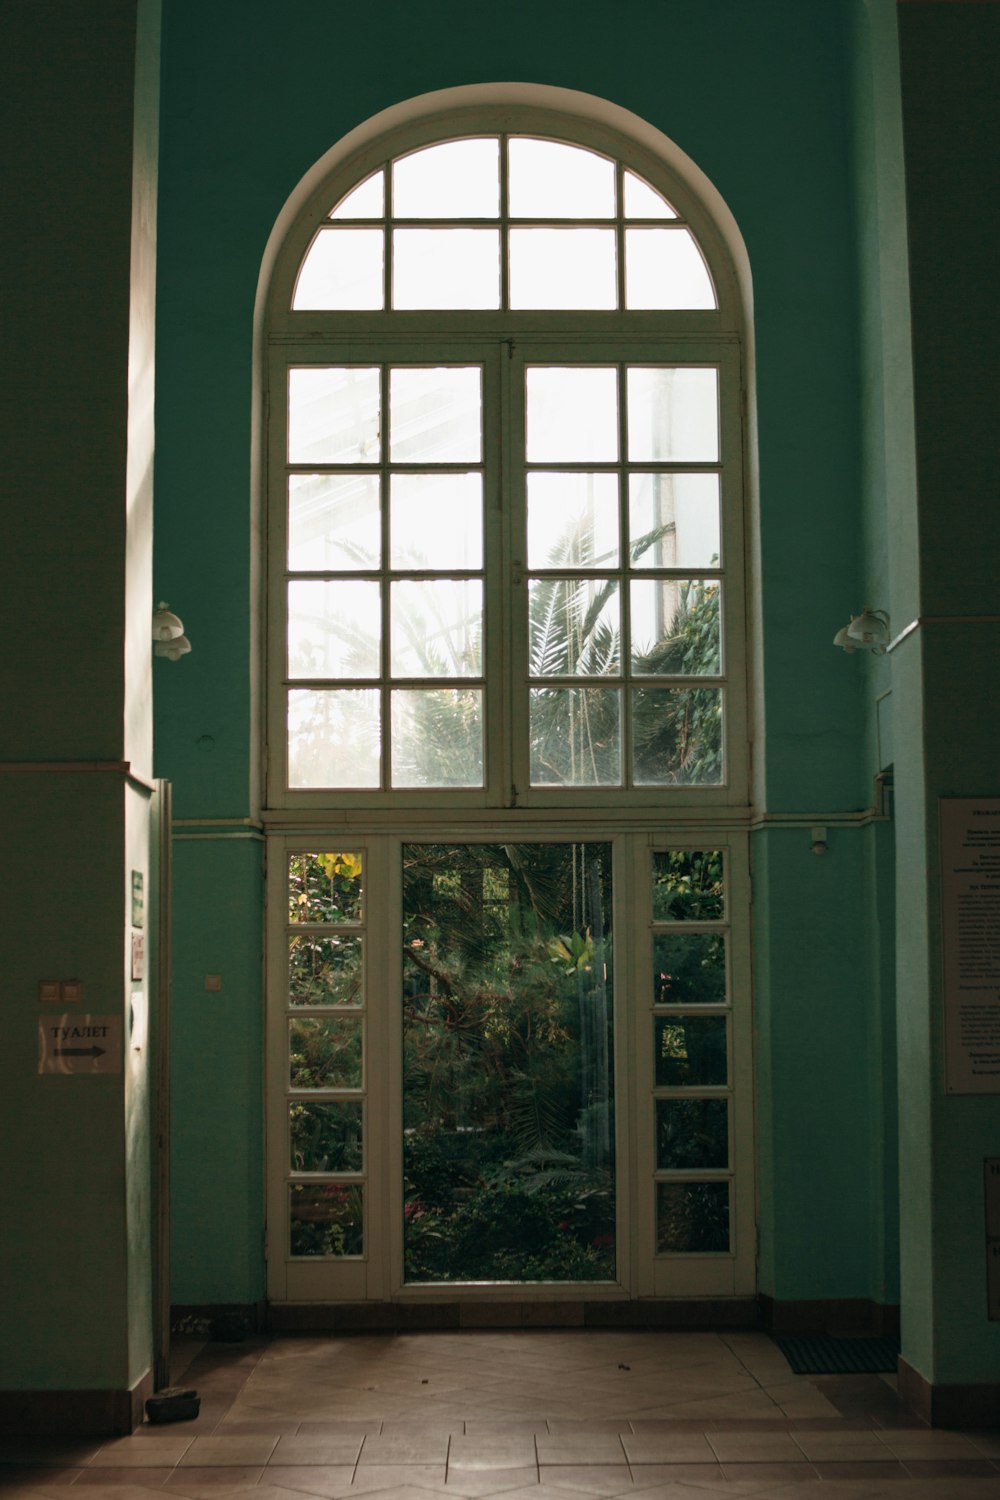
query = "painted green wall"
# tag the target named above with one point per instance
(761, 97)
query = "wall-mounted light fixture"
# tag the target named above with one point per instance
(168, 634)
(868, 631)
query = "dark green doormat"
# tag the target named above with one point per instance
(819, 1354)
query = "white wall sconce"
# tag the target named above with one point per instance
(868, 631)
(169, 639)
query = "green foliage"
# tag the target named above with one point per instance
(508, 1160)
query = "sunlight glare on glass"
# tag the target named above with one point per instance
(572, 520)
(435, 414)
(644, 202)
(334, 628)
(333, 414)
(342, 271)
(436, 627)
(334, 737)
(454, 180)
(664, 269)
(674, 520)
(445, 268)
(673, 414)
(366, 201)
(436, 521)
(552, 180)
(572, 414)
(333, 522)
(563, 268)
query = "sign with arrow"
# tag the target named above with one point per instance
(79, 1044)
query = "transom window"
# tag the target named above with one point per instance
(503, 222)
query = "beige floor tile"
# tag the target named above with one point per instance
(316, 1450)
(389, 1476)
(48, 1453)
(754, 1447)
(212, 1479)
(581, 1447)
(475, 1483)
(142, 1453)
(593, 1479)
(319, 1479)
(929, 1443)
(751, 1405)
(667, 1448)
(831, 1446)
(478, 1452)
(404, 1448)
(211, 1451)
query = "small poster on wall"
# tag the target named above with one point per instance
(970, 932)
(138, 904)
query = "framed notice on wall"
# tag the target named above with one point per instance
(970, 934)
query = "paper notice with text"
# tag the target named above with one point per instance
(970, 929)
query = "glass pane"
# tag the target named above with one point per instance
(688, 885)
(435, 415)
(692, 1133)
(692, 1217)
(677, 736)
(673, 414)
(343, 269)
(324, 970)
(334, 629)
(508, 1145)
(572, 520)
(455, 180)
(575, 736)
(574, 627)
(443, 268)
(689, 968)
(436, 521)
(664, 268)
(363, 202)
(326, 1219)
(674, 520)
(325, 888)
(437, 737)
(324, 1137)
(644, 202)
(572, 414)
(333, 522)
(567, 268)
(690, 1050)
(550, 180)
(436, 627)
(334, 739)
(333, 416)
(675, 626)
(324, 1052)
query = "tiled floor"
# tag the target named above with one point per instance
(524, 1415)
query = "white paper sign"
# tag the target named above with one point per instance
(79, 1044)
(970, 931)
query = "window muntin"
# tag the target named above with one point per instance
(503, 222)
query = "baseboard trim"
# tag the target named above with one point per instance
(393, 1317)
(87, 1413)
(949, 1405)
(829, 1315)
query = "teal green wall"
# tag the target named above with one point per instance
(761, 96)
(217, 1213)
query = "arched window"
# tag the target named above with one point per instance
(506, 698)
(506, 529)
